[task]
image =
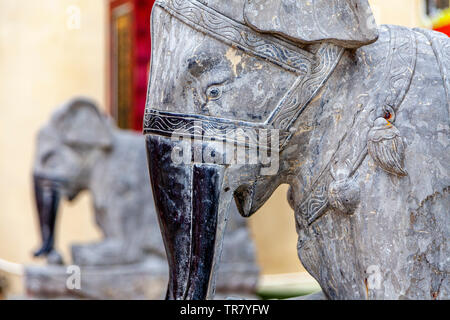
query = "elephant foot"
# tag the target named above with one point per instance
(54, 258)
(105, 253)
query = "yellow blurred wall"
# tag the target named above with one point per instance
(408, 13)
(45, 59)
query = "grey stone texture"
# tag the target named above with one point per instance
(83, 150)
(363, 117)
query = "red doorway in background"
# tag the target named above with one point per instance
(442, 22)
(444, 29)
(129, 60)
(439, 12)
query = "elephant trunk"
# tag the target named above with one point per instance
(192, 214)
(47, 196)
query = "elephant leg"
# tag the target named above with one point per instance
(106, 253)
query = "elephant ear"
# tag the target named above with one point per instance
(348, 23)
(80, 123)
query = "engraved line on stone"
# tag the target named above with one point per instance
(396, 95)
(217, 25)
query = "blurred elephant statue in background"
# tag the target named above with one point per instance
(309, 93)
(81, 149)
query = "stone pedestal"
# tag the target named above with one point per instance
(145, 280)
(142, 281)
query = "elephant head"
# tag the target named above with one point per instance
(64, 159)
(222, 112)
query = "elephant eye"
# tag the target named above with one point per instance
(213, 92)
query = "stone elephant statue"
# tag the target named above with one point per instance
(81, 149)
(310, 93)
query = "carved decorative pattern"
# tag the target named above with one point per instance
(441, 46)
(305, 88)
(386, 147)
(313, 207)
(400, 69)
(384, 143)
(402, 65)
(313, 70)
(348, 23)
(195, 126)
(209, 21)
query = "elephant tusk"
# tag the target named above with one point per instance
(11, 267)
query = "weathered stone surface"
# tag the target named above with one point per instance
(371, 202)
(378, 252)
(80, 149)
(144, 280)
(348, 23)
